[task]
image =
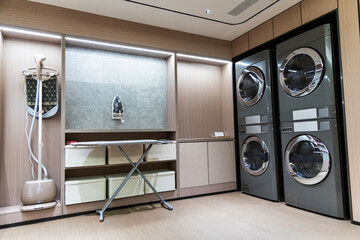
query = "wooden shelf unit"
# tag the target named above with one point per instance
(205, 105)
(122, 134)
(118, 168)
(55, 134)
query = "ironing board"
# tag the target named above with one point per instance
(135, 166)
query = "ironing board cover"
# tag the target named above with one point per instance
(122, 142)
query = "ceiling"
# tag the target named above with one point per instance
(227, 19)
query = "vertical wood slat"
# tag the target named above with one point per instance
(312, 9)
(199, 104)
(2, 164)
(227, 111)
(261, 34)
(170, 93)
(287, 20)
(350, 57)
(62, 124)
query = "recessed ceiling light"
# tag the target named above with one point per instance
(207, 11)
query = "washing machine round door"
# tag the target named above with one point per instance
(255, 156)
(250, 86)
(307, 159)
(301, 72)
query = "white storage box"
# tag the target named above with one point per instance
(84, 156)
(133, 187)
(163, 180)
(115, 156)
(159, 152)
(85, 189)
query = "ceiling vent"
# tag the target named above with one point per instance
(242, 7)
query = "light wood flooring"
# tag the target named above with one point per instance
(223, 216)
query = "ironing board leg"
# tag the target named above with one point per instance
(135, 166)
(101, 213)
(163, 202)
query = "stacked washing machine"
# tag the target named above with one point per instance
(313, 167)
(259, 167)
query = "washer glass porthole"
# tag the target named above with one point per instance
(250, 86)
(307, 159)
(255, 156)
(301, 72)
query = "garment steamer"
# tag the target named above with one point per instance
(39, 193)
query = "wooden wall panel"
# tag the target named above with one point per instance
(2, 167)
(193, 164)
(221, 158)
(350, 57)
(240, 45)
(18, 55)
(227, 114)
(287, 20)
(50, 18)
(199, 99)
(311, 9)
(261, 34)
(171, 93)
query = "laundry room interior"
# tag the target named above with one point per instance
(246, 109)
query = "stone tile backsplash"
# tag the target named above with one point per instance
(95, 77)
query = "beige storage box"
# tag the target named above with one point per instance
(133, 187)
(84, 156)
(85, 189)
(159, 152)
(163, 180)
(115, 156)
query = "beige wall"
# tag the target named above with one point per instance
(39, 16)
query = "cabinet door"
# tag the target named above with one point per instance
(311, 9)
(221, 162)
(193, 164)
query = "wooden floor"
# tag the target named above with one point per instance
(223, 216)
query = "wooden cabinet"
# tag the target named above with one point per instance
(206, 163)
(193, 164)
(240, 44)
(312, 9)
(221, 159)
(287, 20)
(261, 34)
(205, 106)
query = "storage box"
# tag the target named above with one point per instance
(159, 152)
(163, 180)
(84, 156)
(85, 189)
(115, 156)
(133, 187)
